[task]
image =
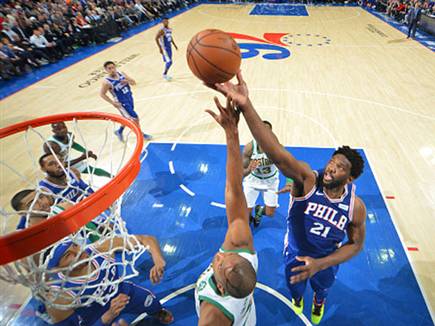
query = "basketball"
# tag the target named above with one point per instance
(213, 56)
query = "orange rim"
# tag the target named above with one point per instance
(20, 244)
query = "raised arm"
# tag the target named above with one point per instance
(238, 234)
(299, 171)
(130, 80)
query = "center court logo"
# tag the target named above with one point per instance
(270, 48)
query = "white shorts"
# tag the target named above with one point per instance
(252, 187)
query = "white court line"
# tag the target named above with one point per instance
(216, 204)
(425, 297)
(157, 205)
(187, 190)
(43, 87)
(259, 285)
(171, 167)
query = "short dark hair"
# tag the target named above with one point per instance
(108, 63)
(355, 159)
(268, 123)
(18, 197)
(42, 158)
(241, 279)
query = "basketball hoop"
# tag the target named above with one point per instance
(26, 256)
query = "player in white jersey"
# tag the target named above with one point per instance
(62, 143)
(224, 291)
(261, 175)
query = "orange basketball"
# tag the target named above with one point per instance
(213, 56)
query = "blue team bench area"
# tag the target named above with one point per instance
(279, 9)
(178, 198)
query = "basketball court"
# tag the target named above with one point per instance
(323, 76)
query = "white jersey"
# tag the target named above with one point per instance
(65, 151)
(240, 311)
(266, 169)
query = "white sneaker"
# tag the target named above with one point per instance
(167, 77)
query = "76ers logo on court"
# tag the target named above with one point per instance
(270, 47)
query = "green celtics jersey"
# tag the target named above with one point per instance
(240, 311)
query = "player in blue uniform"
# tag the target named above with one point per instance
(164, 42)
(118, 84)
(324, 209)
(130, 299)
(64, 187)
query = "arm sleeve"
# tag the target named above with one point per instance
(78, 147)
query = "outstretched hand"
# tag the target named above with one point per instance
(310, 268)
(238, 92)
(228, 116)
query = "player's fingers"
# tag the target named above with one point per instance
(221, 88)
(229, 103)
(214, 115)
(297, 278)
(212, 86)
(240, 77)
(299, 268)
(120, 297)
(218, 105)
(302, 258)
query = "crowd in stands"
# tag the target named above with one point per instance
(35, 33)
(401, 10)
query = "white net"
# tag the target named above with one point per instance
(48, 171)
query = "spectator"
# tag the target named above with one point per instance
(43, 45)
(64, 25)
(9, 33)
(13, 51)
(414, 17)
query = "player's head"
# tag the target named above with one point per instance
(110, 67)
(65, 254)
(234, 274)
(59, 129)
(50, 165)
(52, 146)
(22, 201)
(267, 123)
(345, 165)
(165, 22)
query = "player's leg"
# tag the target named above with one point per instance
(167, 58)
(270, 200)
(144, 301)
(321, 283)
(297, 290)
(128, 112)
(251, 195)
